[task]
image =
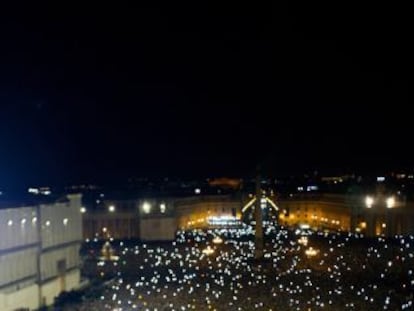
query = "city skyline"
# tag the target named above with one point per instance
(201, 91)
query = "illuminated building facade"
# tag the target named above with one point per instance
(39, 253)
(159, 218)
(385, 215)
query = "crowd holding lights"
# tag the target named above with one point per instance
(196, 273)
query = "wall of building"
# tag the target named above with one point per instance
(26, 297)
(329, 215)
(60, 223)
(18, 265)
(194, 211)
(158, 228)
(119, 225)
(19, 243)
(52, 288)
(18, 227)
(50, 260)
(39, 245)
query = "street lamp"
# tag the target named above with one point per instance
(146, 207)
(369, 201)
(390, 202)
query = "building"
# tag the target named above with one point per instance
(158, 219)
(39, 253)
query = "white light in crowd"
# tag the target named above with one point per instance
(10, 223)
(47, 223)
(162, 207)
(104, 229)
(146, 207)
(369, 201)
(390, 202)
(197, 190)
(65, 221)
(83, 210)
(23, 221)
(111, 208)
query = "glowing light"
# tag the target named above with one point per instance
(10, 223)
(217, 240)
(369, 201)
(390, 202)
(272, 204)
(146, 207)
(163, 207)
(311, 252)
(197, 190)
(111, 208)
(65, 221)
(224, 220)
(303, 241)
(23, 221)
(47, 223)
(250, 203)
(83, 210)
(33, 190)
(208, 250)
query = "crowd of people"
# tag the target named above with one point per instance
(217, 270)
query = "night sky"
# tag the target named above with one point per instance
(107, 92)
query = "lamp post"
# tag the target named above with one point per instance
(371, 219)
(390, 203)
(375, 206)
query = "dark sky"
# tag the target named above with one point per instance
(106, 92)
